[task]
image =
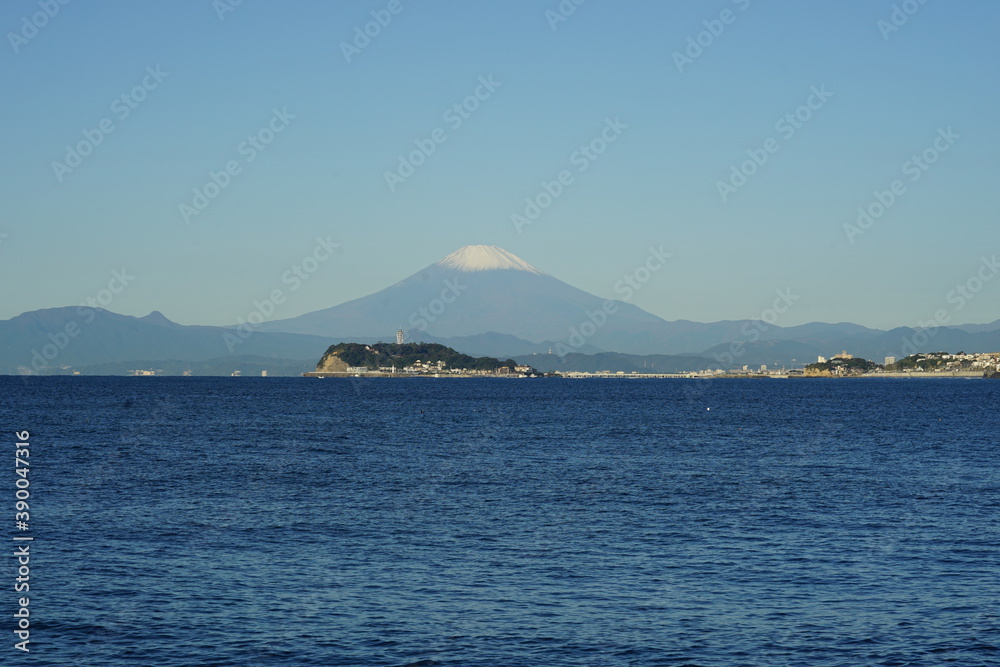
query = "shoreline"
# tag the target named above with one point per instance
(573, 375)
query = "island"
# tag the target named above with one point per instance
(411, 360)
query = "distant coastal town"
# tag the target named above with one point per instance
(845, 365)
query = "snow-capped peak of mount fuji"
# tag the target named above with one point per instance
(485, 258)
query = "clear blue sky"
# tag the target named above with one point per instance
(323, 174)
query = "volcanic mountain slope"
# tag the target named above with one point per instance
(484, 289)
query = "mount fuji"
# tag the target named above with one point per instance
(484, 300)
(482, 289)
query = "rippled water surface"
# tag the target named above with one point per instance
(271, 521)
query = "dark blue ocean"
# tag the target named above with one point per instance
(544, 522)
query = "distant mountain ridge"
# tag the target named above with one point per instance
(56, 337)
(478, 292)
(479, 300)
